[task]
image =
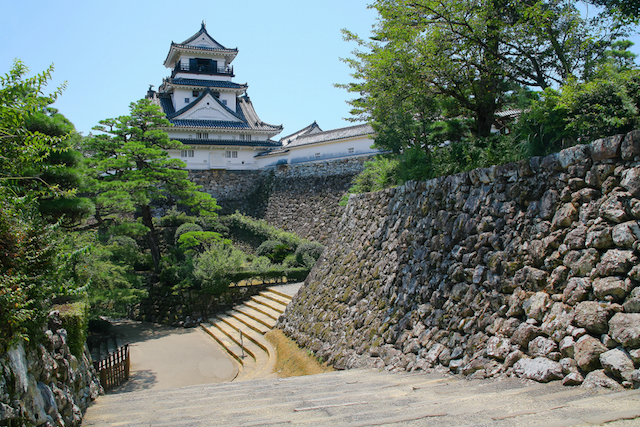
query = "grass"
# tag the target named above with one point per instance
(292, 361)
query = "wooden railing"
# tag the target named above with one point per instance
(114, 369)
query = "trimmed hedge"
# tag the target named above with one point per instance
(261, 230)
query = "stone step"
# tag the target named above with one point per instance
(265, 309)
(276, 297)
(269, 303)
(366, 397)
(258, 316)
(231, 346)
(249, 322)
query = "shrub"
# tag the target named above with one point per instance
(275, 250)
(259, 229)
(74, 319)
(216, 267)
(124, 250)
(197, 239)
(607, 105)
(185, 228)
(308, 253)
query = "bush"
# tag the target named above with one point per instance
(378, 174)
(74, 319)
(124, 250)
(308, 253)
(260, 230)
(607, 105)
(185, 228)
(275, 250)
(216, 267)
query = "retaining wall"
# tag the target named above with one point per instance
(45, 384)
(527, 269)
(301, 198)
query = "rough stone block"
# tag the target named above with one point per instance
(578, 154)
(587, 353)
(630, 146)
(625, 328)
(539, 369)
(606, 148)
(618, 363)
(616, 261)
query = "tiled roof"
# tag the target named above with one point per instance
(193, 104)
(332, 135)
(206, 83)
(209, 49)
(220, 124)
(175, 47)
(251, 117)
(244, 112)
(166, 104)
(312, 128)
(203, 30)
(229, 142)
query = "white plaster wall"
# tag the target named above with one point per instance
(330, 150)
(214, 158)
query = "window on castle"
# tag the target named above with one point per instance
(231, 154)
(195, 93)
(351, 150)
(202, 135)
(186, 100)
(245, 137)
(186, 153)
(224, 102)
(317, 155)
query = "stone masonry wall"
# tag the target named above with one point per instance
(304, 199)
(230, 188)
(527, 269)
(299, 198)
(46, 385)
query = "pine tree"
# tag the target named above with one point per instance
(132, 169)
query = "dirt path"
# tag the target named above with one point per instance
(164, 357)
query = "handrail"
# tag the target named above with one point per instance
(114, 369)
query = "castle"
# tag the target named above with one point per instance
(216, 121)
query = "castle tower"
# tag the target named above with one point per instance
(211, 114)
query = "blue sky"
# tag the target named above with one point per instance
(110, 51)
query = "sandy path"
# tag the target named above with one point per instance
(165, 357)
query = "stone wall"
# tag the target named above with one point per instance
(527, 269)
(230, 188)
(46, 385)
(301, 198)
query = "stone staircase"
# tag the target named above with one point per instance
(369, 398)
(241, 332)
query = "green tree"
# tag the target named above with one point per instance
(132, 170)
(20, 98)
(627, 8)
(217, 266)
(31, 260)
(61, 169)
(438, 70)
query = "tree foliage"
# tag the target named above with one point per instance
(132, 170)
(437, 71)
(32, 262)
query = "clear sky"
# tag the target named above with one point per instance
(109, 52)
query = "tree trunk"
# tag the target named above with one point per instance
(154, 246)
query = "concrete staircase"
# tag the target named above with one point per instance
(368, 398)
(241, 332)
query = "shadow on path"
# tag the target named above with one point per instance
(165, 357)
